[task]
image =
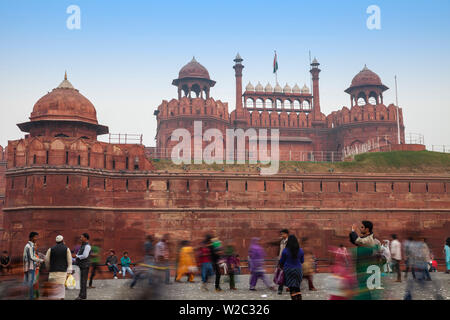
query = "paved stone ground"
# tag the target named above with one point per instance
(119, 289)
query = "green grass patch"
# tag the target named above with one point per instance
(376, 162)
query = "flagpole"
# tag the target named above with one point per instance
(276, 71)
(398, 119)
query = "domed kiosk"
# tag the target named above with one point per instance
(366, 87)
(64, 112)
(193, 77)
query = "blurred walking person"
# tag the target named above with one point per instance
(386, 252)
(308, 265)
(341, 254)
(284, 234)
(256, 257)
(162, 256)
(232, 264)
(83, 262)
(396, 256)
(58, 261)
(205, 262)
(216, 255)
(149, 251)
(186, 262)
(419, 256)
(95, 261)
(31, 262)
(291, 261)
(341, 284)
(447, 255)
(408, 260)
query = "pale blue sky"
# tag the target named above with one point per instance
(126, 54)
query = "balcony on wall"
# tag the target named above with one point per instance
(125, 138)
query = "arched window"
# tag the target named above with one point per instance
(259, 103)
(249, 103)
(373, 98)
(361, 101)
(306, 105)
(279, 104)
(268, 103)
(287, 104)
(196, 88)
(296, 105)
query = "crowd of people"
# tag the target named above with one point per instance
(351, 276)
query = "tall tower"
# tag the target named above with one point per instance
(315, 78)
(238, 66)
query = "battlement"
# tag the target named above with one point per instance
(193, 107)
(79, 152)
(364, 113)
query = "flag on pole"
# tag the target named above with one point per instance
(275, 63)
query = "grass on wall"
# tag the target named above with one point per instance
(377, 162)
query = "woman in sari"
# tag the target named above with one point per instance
(186, 263)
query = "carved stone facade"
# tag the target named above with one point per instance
(295, 112)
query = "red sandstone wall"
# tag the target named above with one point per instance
(321, 207)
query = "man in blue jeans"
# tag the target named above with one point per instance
(30, 262)
(111, 262)
(162, 256)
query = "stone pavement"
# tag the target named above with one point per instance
(119, 289)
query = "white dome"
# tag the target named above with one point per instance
(268, 88)
(250, 87)
(305, 89)
(296, 89)
(259, 87)
(287, 89)
(278, 89)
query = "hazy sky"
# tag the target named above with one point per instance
(126, 54)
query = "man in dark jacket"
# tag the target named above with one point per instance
(58, 261)
(111, 262)
(83, 262)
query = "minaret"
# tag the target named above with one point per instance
(316, 96)
(238, 66)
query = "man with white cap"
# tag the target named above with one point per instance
(59, 262)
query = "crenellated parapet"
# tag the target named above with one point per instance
(196, 107)
(366, 113)
(76, 153)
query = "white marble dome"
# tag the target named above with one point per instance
(268, 88)
(259, 87)
(278, 88)
(296, 89)
(305, 89)
(287, 89)
(249, 87)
